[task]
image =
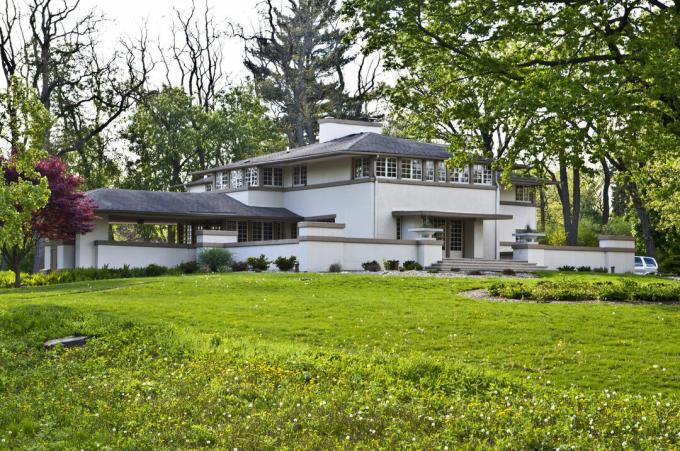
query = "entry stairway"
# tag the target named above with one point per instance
(482, 264)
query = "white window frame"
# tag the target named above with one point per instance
(275, 176)
(460, 175)
(300, 176)
(482, 174)
(209, 186)
(429, 170)
(524, 193)
(236, 179)
(222, 180)
(361, 167)
(411, 169)
(441, 172)
(386, 167)
(251, 176)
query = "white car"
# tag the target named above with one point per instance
(645, 265)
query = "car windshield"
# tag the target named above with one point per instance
(650, 261)
(638, 261)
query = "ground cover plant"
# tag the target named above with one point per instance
(624, 289)
(267, 360)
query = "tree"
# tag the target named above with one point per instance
(171, 136)
(573, 63)
(297, 61)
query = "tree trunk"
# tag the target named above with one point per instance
(542, 206)
(606, 183)
(643, 216)
(575, 206)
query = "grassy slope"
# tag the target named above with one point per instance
(309, 339)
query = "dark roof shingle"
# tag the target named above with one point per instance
(174, 203)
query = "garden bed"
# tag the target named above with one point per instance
(575, 290)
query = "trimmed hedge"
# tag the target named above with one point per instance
(625, 290)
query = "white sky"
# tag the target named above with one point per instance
(127, 17)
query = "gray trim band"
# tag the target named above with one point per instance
(448, 214)
(517, 203)
(616, 237)
(142, 244)
(335, 239)
(321, 225)
(572, 248)
(217, 232)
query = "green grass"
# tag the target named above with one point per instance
(307, 360)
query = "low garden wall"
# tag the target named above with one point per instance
(614, 252)
(115, 254)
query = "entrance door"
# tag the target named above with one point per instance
(452, 236)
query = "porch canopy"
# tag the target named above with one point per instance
(448, 215)
(158, 207)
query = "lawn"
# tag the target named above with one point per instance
(305, 360)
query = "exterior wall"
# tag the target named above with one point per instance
(352, 204)
(138, 255)
(328, 171)
(272, 249)
(552, 257)
(507, 194)
(521, 217)
(259, 198)
(86, 252)
(330, 129)
(395, 196)
(196, 188)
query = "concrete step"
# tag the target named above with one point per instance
(479, 264)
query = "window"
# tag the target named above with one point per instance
(441, 171)
(208, 187)
(272, 176)
(278, 231)
(482, 174)
(524, 193)
(293, 231)
(398, 228)
(362, 167)
(456, 234)
(638, 261)
(236, 179)
(267, 231)
(411, 169)
(222, 180)
(299, 175)
(460, 175)
(242, 229)
(386, 167)
(251, 177)
(429, 171)
(256, 231)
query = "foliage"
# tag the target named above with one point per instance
(372, 266)
(171, 136)
(215, 259)
(508, 272)
(260, 263)
(190, 267)
(154, 270)
(285, 263)
(412, 265)
(335, 267)
(239, 266)
(583, 269)
(566, 268)
(459, 380)
(601, 270)
(584, 290)
(391, 265)
(474, 272)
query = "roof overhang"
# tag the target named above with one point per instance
(448, 214)
(173, 217)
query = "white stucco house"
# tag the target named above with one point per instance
(356, 195)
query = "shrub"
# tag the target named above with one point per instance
(412, 265)
(258, 263)
(239, 266)
(455, 269)
(285, 264)
(391, 265)
(215, 259)
(566, 268)
(670, 264)
(335, 267)
(600, 270)
(372, 266)
(190, 267)
(155, 270)
(474, 273)
(508, 272)
(583, 269)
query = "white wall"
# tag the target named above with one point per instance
(521, 217)
(553, 257)
(352, 204)
(196, 188)
(330, 129)
(140, 256)
(328, 171)
(86, 252)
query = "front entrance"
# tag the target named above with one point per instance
(452, 236)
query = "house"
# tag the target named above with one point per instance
(356, 195)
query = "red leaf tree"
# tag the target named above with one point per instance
(68, 211)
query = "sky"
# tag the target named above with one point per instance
(128, 17)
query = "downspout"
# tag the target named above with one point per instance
(496, 256)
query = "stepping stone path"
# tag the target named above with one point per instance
(66, 341)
